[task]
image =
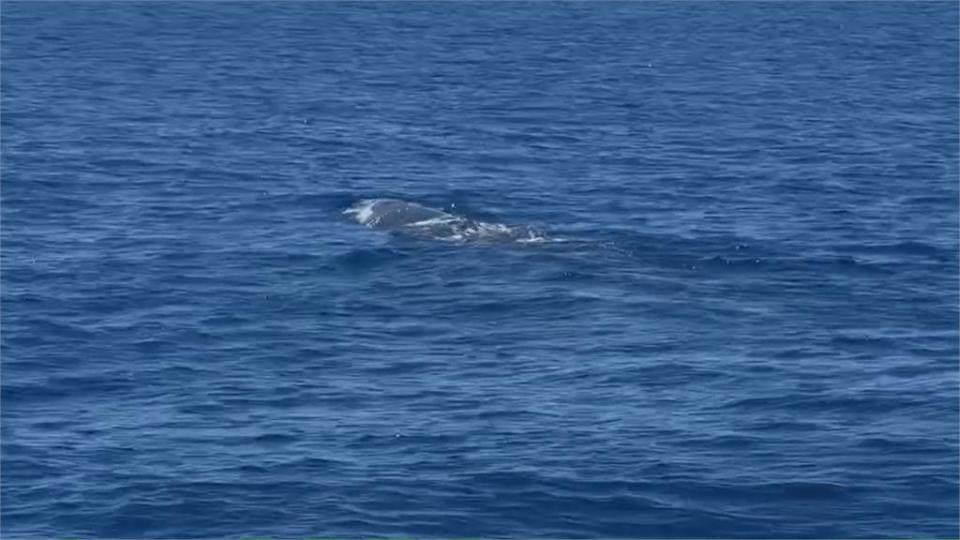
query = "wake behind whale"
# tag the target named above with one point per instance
(417, 220)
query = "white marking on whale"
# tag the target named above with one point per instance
(416, 219)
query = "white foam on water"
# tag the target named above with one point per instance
(441, 220)
(362, 211)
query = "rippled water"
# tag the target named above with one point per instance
(749, 328)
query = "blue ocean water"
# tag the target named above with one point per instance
(696, 273)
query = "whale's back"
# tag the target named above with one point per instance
(392, 213)
(418, 220)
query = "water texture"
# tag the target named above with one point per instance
(740, 319)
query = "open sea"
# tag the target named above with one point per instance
(461, 269)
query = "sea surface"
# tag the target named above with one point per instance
(652, 269)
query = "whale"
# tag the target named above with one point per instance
(394, 213)
(414, 219)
